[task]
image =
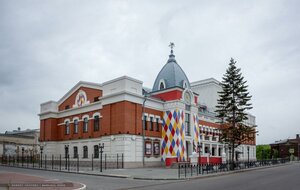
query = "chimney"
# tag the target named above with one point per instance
(297, 136)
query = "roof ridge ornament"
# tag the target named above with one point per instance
(172, 45)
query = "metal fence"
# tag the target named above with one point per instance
(188, 170)
(65, 163)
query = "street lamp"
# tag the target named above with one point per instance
(66, 155)
(199, 150)
(41, 150)
(143, 125)
(22, 155)
(248, 153)
(101, 147)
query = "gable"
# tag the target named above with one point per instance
(80, 97)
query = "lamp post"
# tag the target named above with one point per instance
(143, 126)
(101, 147)
(22, 155)
(41, 150)
(199, 150)
(66, 155)
(248, 153)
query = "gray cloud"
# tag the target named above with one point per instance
(46, 47)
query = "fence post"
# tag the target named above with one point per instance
(105, 161)
(185, 170)
(117, 161)
(45, 161)
(101, 161)
(77, 163)
(32, 159)
(60, 162)
(92, 162)
(68, 162)
(178, 171)
(52, 161)
(122, 160)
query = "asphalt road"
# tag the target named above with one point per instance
(286, 177)
(92, 182)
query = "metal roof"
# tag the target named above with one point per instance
(172, 74)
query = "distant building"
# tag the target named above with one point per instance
(176, 115)
(286, 148)
(18, 142)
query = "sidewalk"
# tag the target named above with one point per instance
(18, 181)
(165, 173)
(155, 173)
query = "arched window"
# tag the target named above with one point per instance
(184, 84)
(85, 152)
(162, 84)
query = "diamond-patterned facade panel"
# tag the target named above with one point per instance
(173, 135)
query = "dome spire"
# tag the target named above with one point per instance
(172, 45)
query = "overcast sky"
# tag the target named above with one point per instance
(46, 47)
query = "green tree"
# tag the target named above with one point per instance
(263, 152)
(231, 109)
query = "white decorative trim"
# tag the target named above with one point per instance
(70, 112)
(147, 116)
(96, 114)
(122, 78)
(75, 118)
(153, 117)
(84, 116)
(96, 86)
(164, 83)
(67, 120)
(77, 99)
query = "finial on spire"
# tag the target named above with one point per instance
(172, 45)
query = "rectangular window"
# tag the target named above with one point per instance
(187, 124)
(67, 128)
(148, 148)
(151, 123)
(157, 124)
(75, 126)
(96, 99)
(96, 123)
(85, 125)
(96, 151)
(145, 122)
(75, 151)
(206, 150)
(156, 148)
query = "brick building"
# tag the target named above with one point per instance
(286, 148)
(113, 113)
